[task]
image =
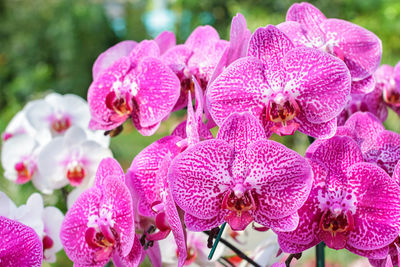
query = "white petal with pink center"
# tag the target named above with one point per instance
(19, 158)
(58, 113)
(71, 158)
(18, 125)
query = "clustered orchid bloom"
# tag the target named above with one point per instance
(316, 75)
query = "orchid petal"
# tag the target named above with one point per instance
(320, 82)
(108, 57)
(165, 41)
(361, 48)
(19, 244)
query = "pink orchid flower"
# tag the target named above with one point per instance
(239, 177)
(286, 88)
(100, 224)
(359, 48)
(165, 40)
(137, 85)
(19, 245)
(197, 57)
(386, 93)
(379, 146)
(353, 204)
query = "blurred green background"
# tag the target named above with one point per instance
(50, 45)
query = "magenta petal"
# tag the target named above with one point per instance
(321, 82)
(199, 176)
(98, 92)
(286, 224)
(295, 32)
(377, 217)
(241, 87)
(145, 131)
(133, 259)
(108, 57)
(143, 171)
(338, 154)
(366, 127)
(177, 58)
(364, 86)
(201, 37)
(193, 223)
(270, 45)
(165, 41)
(240, 130)
(109, 168)
(386, 152)
(378, 253)
(158, 91)
(288, 246)
(74, 227)
(19, 244)
(310, 18)
(154, 255)
(277, 173)
(361, 48)
(396, 173)
(146, 48)
(317, 130)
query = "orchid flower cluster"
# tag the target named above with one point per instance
(316, 75)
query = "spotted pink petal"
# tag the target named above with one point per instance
(109, 169)
(270, 45)
(320, 81)
(158, 91)
(244, 80)
(277, 173)
(112, 54)
(193, 223)
(143, 171)
(384, 74)
(361, 48)
(146, 48)
(338, 154)
(145, 131)
(192, 124)
(310, 18)
(378, 253)
(165, 41)
(364, 86)
(98, 91)
(201, 37)
(177, 58)
(386, 152)
(240, 130)
(295, 32)
(134, 258)
(304, 236)
(396, 75)
(75, 224)
(396, 173)
(199, 176)
(172, 214)
(377, 217)
(366, 127)
(317, 130)
(288, 223)
(154, 255)
(112, 198)
(19, 244)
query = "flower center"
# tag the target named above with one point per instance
(47, 242)
(75, 173)
(25, 172)
(336, 223)
(60, 125)
(281, 110)
(391, 96)
(102, 238)
(121, 104)
(239, 201)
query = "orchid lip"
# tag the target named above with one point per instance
(239, 202)
(102, 238)
(60, 125)
(75, 173)
(391, 96)
(24, 171)
(336, 222)
(120, 103)
(281, 110)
